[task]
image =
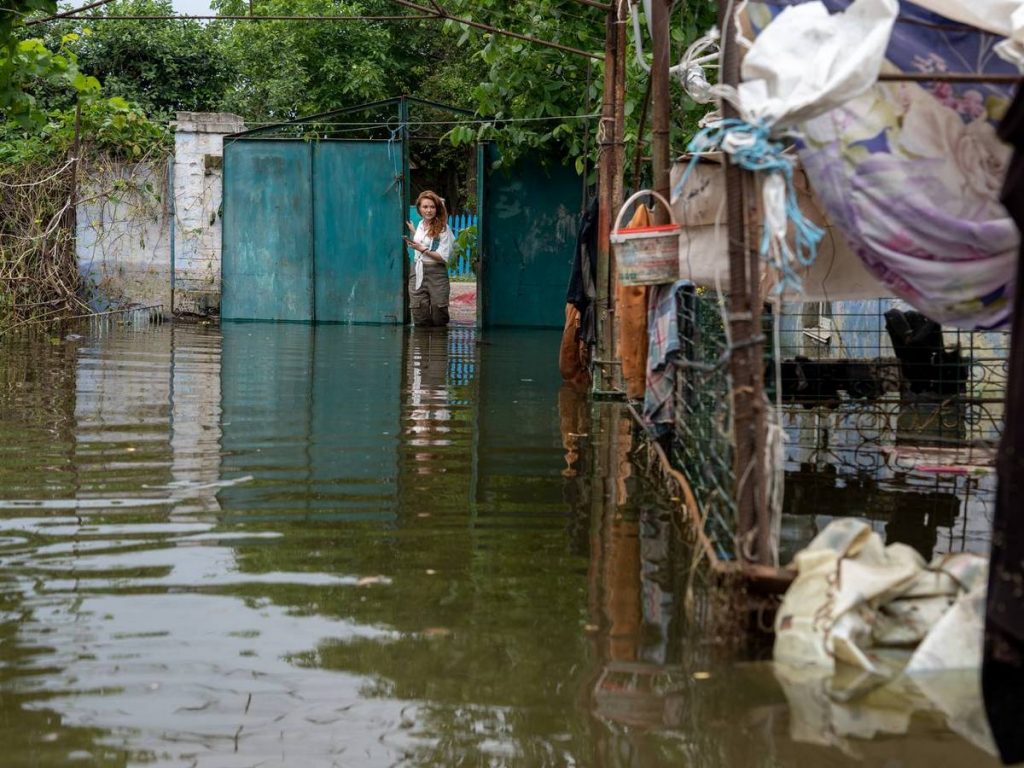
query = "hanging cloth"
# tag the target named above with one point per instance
(631, 310)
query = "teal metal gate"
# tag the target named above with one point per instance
(530, 214)
(312, 231)
(314, 209)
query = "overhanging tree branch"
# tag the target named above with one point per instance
(443, 15)
(68, 13)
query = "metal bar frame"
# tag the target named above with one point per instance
(394, 101)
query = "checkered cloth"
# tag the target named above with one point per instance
(662, 348)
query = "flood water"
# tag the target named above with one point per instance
(279, 545)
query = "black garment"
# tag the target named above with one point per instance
(1002, 675)
(583, 278)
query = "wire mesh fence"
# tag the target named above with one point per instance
(702, 443)
(887, 416)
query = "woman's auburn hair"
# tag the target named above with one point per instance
(440, 222)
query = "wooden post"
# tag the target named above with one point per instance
(660, 105)
(744, 306)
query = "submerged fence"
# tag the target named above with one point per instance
(886, 415)
(462, 264)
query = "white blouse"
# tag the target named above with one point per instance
(442, 246)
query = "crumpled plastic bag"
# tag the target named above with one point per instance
(854, 597)
(809, 61)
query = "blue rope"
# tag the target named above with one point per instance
(751, 147)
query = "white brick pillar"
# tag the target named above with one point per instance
(198, 190)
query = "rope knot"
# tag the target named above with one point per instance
(750, 146)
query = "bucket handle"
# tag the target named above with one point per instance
(637, 195)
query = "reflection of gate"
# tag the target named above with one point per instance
(312, 231)
(314, 210)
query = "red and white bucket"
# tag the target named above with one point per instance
(646, 255)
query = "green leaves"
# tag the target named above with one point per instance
(29, 62)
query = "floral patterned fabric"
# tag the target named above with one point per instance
(911, 172)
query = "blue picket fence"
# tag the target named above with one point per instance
(457, 222)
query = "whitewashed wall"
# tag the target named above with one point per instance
(123, 235)
(124, 223)
(198, 190)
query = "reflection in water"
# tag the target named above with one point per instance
(290, 545)
(897, 464)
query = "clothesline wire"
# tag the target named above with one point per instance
(416, 123)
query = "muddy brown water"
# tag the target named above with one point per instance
(279, 545)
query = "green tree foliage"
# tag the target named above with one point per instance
(529, 83)
(163, 66)
(532, 83)
(291, 68)
(28, 64)
(13, 13)
(32, 130)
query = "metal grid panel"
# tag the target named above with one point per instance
(887, 416)
(702, 444)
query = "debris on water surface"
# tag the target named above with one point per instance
(369, 581)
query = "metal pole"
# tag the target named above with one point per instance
(745, 359)
(605, 186)
(660, 103)
(618, 164)
(405, 180)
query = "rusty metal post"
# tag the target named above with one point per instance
(618, 167)
(604, 199)
(660, 104)
(744, 328)
(609, 175)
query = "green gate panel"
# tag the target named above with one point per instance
(267, 264)
(530, 214)
(358, 227)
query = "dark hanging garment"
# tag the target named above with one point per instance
(1003, 666)
(583, 279)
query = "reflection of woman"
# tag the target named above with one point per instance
(432, 240)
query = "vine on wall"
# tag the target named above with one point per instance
(42, 172)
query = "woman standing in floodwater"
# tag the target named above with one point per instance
(432, 240)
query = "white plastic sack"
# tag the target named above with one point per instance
(808, 61)
(1004, 17)
(835, 275)
(854, 598)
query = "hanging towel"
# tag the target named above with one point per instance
(663, 346)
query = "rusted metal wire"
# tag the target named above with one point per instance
(948, 77)
(194, 17)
